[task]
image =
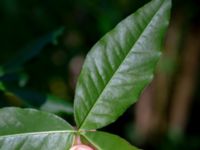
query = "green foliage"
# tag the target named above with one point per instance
(120, 65)
(29, 129)
(114, 74)
(29, 51)
(107, 141)
(57, 106)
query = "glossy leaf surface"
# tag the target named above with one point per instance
(107, 141)
(120, 65)
(29, 129)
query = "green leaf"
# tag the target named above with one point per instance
(107, 141)
(55, 105)
(2, 87)
(29, 129)
(34, 99)
(30, 51)
(120, 65)
(26, 97)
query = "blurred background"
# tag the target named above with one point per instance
(43, 45)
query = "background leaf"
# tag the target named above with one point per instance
(28, 98)
(29, 51)
(29, 129)
(107, 141)
(57, 106)
(120, 65)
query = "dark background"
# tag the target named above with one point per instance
(43, 45)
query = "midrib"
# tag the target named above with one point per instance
(38, 133)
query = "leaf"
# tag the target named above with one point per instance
(120, 65)
(30, 51)
(107, 141)
(29, 129)
(34, 99)
(2, 87)
(57, 106)
(26, 97)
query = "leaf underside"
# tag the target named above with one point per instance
(120, 66)
(29, 129)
